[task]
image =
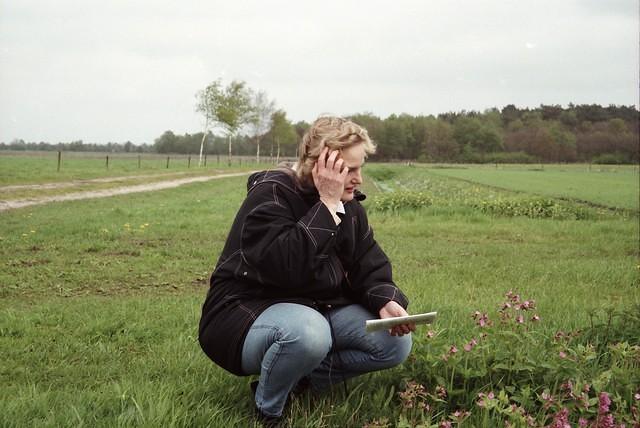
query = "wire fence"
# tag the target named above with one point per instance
(65, 159)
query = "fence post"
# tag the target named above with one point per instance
(205, 160)
(167, 162)
(107, 162)
(218, 156)
(59, 159)
(138, 161)
(189, 162)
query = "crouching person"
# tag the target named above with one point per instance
(299, 275)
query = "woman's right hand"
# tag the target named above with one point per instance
(329, 175)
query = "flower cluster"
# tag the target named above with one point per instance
(512, 373)
(514, 308)
(414, 396)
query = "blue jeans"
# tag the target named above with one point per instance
(289, 341)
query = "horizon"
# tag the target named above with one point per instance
(105, 72)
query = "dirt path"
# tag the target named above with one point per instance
(76, 183)
(150, 187)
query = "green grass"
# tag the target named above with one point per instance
(100, 299)
(42, 167)
(609, 187)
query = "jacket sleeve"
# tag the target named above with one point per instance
(370, 276)
(285, 250)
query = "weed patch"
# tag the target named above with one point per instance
(532, 208)
(395, 201)
(509, 368)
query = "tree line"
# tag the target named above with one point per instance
(242, 121)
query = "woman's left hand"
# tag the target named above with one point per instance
(393, 309)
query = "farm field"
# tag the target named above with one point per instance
(610, 186)
(100, 302)
(42, 167)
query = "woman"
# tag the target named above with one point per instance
(300, 273)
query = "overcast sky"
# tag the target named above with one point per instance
(121, 70)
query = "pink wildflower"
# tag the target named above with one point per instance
(584, 400)
(531, 421)
(562, 354)
(548, 400)
(636, 396)
(561, 419)
(481, 402)
(583, 423)
(481, 319)
(567, 387)
(469, 346)
(431, 333)
(604, 402)
(506, 305)
(535, 318)
(453, 350)
(441, 392)
(444, 424)
(520, 319)
(606, 422)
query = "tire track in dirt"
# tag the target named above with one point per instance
(90, 194)
(75, 183)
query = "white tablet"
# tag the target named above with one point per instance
(387, 323)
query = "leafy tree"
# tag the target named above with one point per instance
(479, 137)
(396, 137)
(510, 113)
(228, 107)
(374, 126)
(165, 143)
(438, 143)
(282, 132)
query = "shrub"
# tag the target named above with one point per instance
(511, 157)
(394, 201)
(532, 208)
(611, 159)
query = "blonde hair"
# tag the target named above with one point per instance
(333, 132)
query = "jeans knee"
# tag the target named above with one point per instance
(399, 349)
(312, 340)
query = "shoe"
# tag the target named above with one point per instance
(268, 421)
(301, 387)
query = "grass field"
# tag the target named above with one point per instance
(42, 167)
(100, 302)
(615, 187)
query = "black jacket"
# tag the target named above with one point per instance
(284, 246)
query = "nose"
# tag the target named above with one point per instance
(357, 177)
